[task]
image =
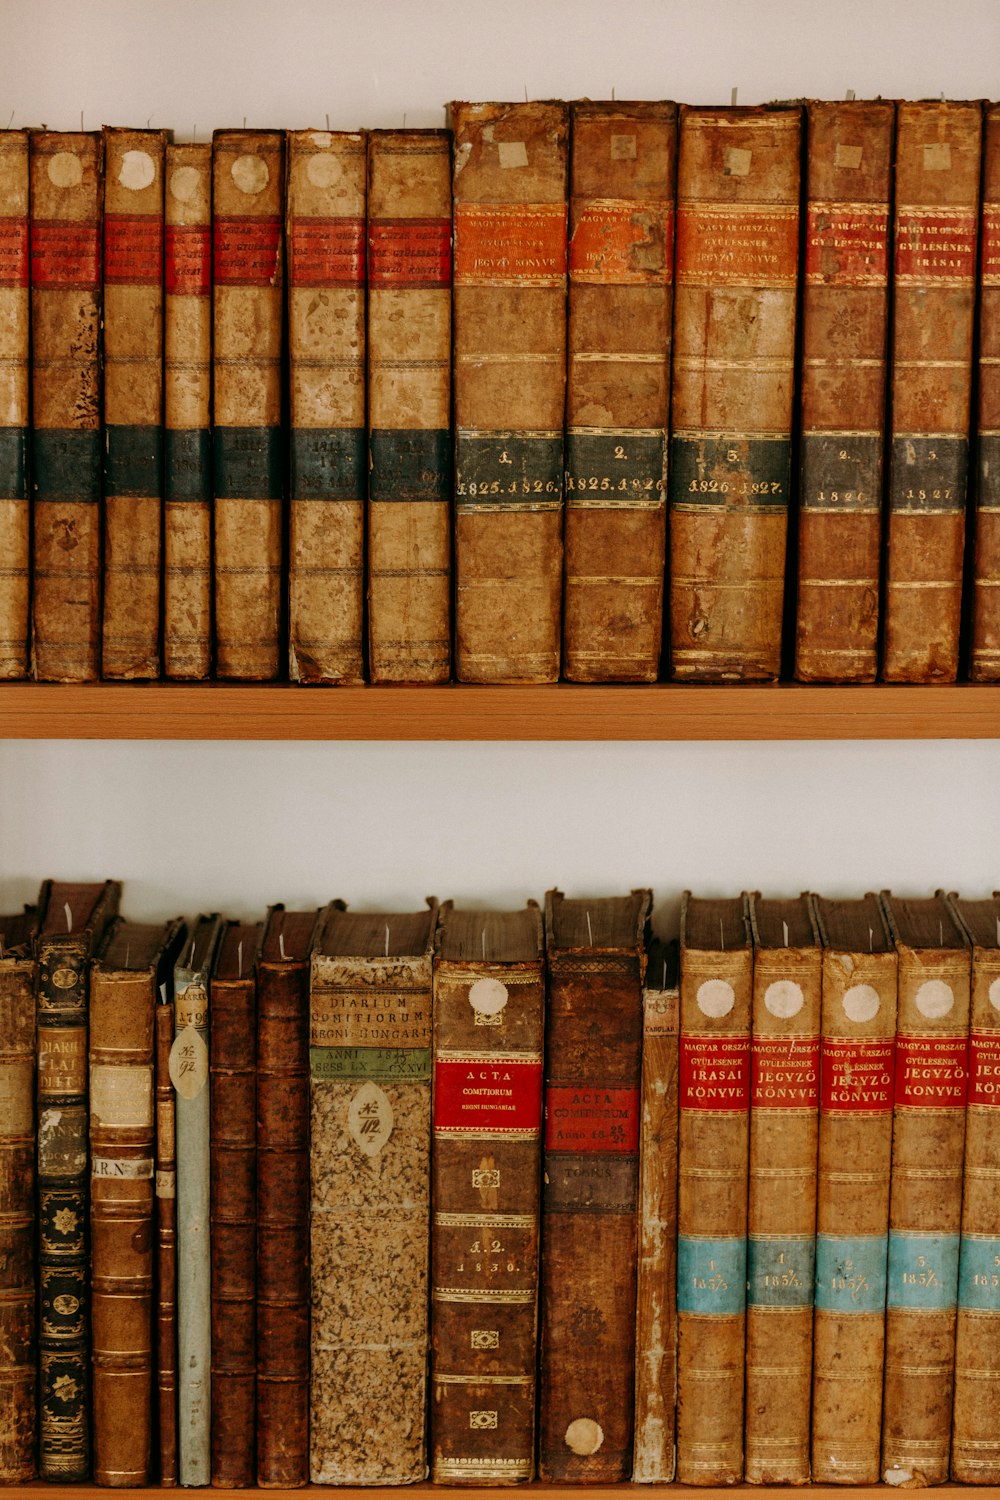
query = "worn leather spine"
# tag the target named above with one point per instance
(510, 387)
(283, 1199)
(734, 349)
(187, 405)
(623, 162)
(326, 351)
(15, 345)
(409, 405)
(596, 961)
(66, 194)
(18, 1279)
(934, 293)
(489, 996)
(655, 1452)
(845, 303)
(248, 198)
(133, 401)
(716, 980)
(857, 1051)
(781, 1209)
(370, 1061)
(984, 656)
(925, 1208)
(232, 1072)
(166, 1243)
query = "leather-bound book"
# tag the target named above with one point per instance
(845, 305)
(72, 921)
(66, 194)
(166, 1242)
(510, 387)
(18, 1427)
(232, 1074)
(596, 957)
(656, 1299)
(734, 350)
(124, 982)
(934, 294)
(489, 1002)
(187, 405)
(326, 356)
(975, 1436)
(248, 199)
(984, 664)
(133, 401)
(370, 1061)
(409, 405)
(925, 1208)
(781, 1210)
(15, 344)
(623, 160)
(714, 1106)
(283, 1199)
(857, 1050)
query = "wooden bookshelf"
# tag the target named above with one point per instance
(566, 711)
(477, 1492)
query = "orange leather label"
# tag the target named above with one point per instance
(622, 243)
(847, 244)
(133, 249)
(784, 1072)
(188, 260)
(510, 244)
(989, 273)
(737, 244)
(13, 252)
(326, 252)
(856, 1076)
(65, 255)
(932, 1071)
(247, 251)
(935, 246)
(409, 252)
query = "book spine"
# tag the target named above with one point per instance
(656, 1301)
(283, 1225)
(187, 403)
(233, 1218)
(133, 401)
(166, 1250)
(66, 404)
(714, 1099)
(121, 1208)
(621, 256)
(488, 1026)
(852, 1214)
(781, 1212)
(845, 303)
(247, 444)
(15, 523)
(734, 347)
(928, 1145)
(984, 665)
(189, 1075)
(371, 1115)
(326, 352)
(510, 385)
(934, 290)
(409, 406)
(17, 1221)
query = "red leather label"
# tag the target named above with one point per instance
(932, 1071)
(989, 266)
(326, 252)
(737, 244)
(133, 249)
(65, 256)
(856, 1076)
(622, 243)
(936, 245)
(715, 1072)
(784, 1072)
(590, 1117)
(188, 260)
(409, 252)
(984, 1068)
(510, 244)
(247, 251)
(13, 252)
(494, 1094)
(847, 244)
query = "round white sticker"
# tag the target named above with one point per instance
(934, 999)
(715, 998)
(861, 1002)
(65, 169)
(584, 1436)
(137, 170)
(784, 998)
(250, 174)
(488, 996)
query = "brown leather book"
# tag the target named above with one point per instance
(248, 199)
(845, 305)
(166, 1243)
(133, 401)
(734, 352)
(596, 956)
(187, 404)
(18, 1282)
(232, 1052)
(370, 1062)
(925, 1208)
(15, 345)
(623, 163)
(124, 983)
(934, 294)
(716, 980)
(409, 405)
(489, 1000)
(984, 665)
(510, 387)
(326, 354)
(283, 1198)
(66, 194)
(857, 1051)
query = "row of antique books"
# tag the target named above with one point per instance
(360, 1197)
(399, 405)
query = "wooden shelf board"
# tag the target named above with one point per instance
(564, 711)
(477, 1492)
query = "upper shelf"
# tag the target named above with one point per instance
(567, 711)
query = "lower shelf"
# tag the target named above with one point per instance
(476, 1492)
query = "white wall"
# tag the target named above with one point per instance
(191, 826)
